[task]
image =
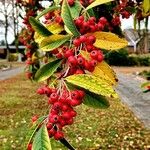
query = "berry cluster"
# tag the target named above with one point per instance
(27, 38)
(124, 7)
(91, 25)
(61, 111)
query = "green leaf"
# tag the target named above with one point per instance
(41, 140)
(38, 27)
(97, 2)
(54, 41)
(34, 128)
(45, 11)
(95, 101)
(93, 84)
(144, 85)
(75, 9)
(67, 18)
(47, 70)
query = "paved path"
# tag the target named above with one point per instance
(131, 94)
(10, 73)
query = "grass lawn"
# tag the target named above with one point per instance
(115, 128)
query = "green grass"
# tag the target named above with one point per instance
(114, 128)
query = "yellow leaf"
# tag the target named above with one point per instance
(146, 6)
(109, 41)
(93, 84)
(103, 70)
(85, 54)
(97, 2)
(55, 28)
(38, 38)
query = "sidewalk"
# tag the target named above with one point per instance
(132, 95)
(10, 73)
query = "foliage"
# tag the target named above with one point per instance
(117, 58)
(79, 32)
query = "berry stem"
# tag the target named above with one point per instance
(67, 144)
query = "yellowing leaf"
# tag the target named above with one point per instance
(55, 28)
(85, 54)
(103, 70)
(53, 41)
(97, 2)
(109, 41)
(38, 38)
(146, 6)
(93, 84)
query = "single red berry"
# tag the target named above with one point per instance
(40, 91)
(91, 39)
(68, 53)
(58, 135)
(80, 60)
(66, 115)
(83, 38)
(34, 118)
(49, 126)
(72, 60)
(94, 54)
(100, 58)
(100, 26)
(53, 118)
(57, 106)
(75, 94)
(59, 55)
(103, 20)
(76, 42)
(71, 2)
(54, 97)
(85, 25)
(51, 132)
(75, 102)
(73, 113)
(70, 121)
(79, 71)
(81, 94)
(29, 147)
(93, 62)
(89, 48)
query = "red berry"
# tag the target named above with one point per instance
(93, 63)
(71, 2)
(103, 20)
(49, 126)
(73, 113)
(70, 121)
(68, 53)
(51, 132)
(80, 60)
(83, 38)
(40, 91)
(100, 58)
(57, 106)
(29, 147)
(75, 102)
(53, 118)
(72, 60)
(54, 97)
(59, 55)
(94, 54)
(79, 71)
(89, 48)
(100, 26)
(66, 115)
(76, 42)
(34, 118)
(75, 94)
(91, 39)
(59, 135)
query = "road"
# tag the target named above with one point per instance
(132, 95)
(10, 73)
